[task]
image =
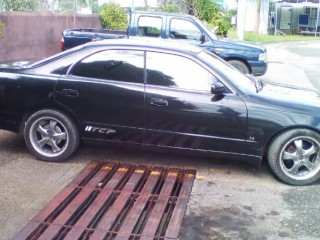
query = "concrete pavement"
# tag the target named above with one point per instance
(294, 63)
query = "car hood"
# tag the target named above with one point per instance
(280, 97)
(237, 44)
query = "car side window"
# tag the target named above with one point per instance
(177, 72)
(183, 29)
(149, 26)
(118, 65)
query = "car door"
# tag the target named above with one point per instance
(183, 113)
(105, 92)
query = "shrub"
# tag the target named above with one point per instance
(113, 17)
(223, 23)
(212, 13)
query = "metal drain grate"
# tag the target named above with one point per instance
(115, 201)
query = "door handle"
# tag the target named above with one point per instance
(70, 93)
(159, 102)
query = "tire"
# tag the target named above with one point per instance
(51, 136)
(242, 67)
(294, 156)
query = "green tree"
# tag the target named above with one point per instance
(172, 8)
(66, 6)
(207, 10)
(113, 17)
(95, 6)
(192, 7)
(18, 5)
(213, 14)
(83, 3)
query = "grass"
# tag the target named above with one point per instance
(261, 38)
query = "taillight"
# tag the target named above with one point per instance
(62, 42)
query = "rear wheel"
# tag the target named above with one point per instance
(242, 67)
(50, 135)
(294, 156)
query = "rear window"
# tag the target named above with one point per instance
(149, 26)
(116, 65)
(55, 57)
(59, 64)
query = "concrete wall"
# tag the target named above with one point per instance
(37, 35)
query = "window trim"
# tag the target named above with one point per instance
(74, 78)
(146, 49)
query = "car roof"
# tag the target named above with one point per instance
(134, 43)
(160, 44)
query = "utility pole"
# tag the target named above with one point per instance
(241, 18)
(146, 5)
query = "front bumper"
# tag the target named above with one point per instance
(258, 68)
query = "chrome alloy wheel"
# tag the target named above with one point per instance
(49, 136)
(299, 158)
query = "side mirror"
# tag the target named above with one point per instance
(202, 38)
(217, 88)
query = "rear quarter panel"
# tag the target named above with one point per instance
(21, 93)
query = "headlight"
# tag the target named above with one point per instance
(263, 56)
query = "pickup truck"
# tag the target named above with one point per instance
(247, 57)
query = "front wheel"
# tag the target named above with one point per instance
(242, 67)
(50, 135)
(294, 156)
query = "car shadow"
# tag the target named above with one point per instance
(12, 147)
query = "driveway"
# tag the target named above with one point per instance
(230, 200)
(295, 63)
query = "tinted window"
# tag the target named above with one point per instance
(119, 65)
(177, 72)
(182, 29)
(60, 63)
(149, 26)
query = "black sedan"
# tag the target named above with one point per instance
(164, 95)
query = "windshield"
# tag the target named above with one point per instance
(232, 75)
(211, 34)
